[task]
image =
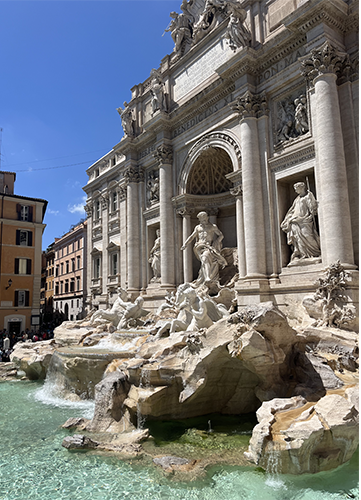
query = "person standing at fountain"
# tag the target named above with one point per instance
(299, 225)
(207, 248)
(6, 344)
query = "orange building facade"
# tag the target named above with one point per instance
(70, 273)
(47, 285)
(21, 231)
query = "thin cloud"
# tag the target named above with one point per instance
(53, 212)
(77, 208)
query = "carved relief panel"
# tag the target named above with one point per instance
(291, 118)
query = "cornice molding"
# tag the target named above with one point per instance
(290, 159)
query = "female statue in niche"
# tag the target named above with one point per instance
(154, 257)
(299, 225)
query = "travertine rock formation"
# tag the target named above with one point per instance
(301, 437)
(299, 379)
(33, 358)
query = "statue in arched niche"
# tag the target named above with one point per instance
(208, 244)
(300, 227)
(154, 257)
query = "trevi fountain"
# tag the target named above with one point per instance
(219, 359)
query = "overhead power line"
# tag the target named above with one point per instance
(52, 159)
(52, 168)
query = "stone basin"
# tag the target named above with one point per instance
(75, 370)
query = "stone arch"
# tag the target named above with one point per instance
(215, 155)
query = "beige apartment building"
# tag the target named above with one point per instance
(70, 273)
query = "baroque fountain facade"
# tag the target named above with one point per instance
(223, 240)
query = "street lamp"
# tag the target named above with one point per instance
(10, 282)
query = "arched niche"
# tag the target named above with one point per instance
(216, 147)
(204, 184)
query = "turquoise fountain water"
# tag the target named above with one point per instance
(33, 464)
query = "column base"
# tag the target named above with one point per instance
(154, 297)
(252, 290)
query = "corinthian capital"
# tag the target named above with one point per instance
(251, 105)
(133, 174)
(323, 60)
(164, 155)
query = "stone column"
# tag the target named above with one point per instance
(238, 193)
(123, 268)
(133, 176)
(164, 156)
(321, 68)
(188, 252)
(142, 235)
(249, 106)
(89, 263)
(104, 204)
(349, 128)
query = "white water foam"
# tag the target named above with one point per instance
(115, 346)
(48, 395)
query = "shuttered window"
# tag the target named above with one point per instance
(22, 266)
(22, 298)
(24, 238)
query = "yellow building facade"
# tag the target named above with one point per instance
(21, 230)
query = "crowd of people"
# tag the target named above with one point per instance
(9, 339)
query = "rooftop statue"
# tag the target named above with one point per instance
(198, 18)
(207, 19)
(207, 248)
(181, 31)
(157, 92)
(237, 33)
(126, 116)
(299, 225)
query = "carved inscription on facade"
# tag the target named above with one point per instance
(203, 115)
(200, 70)
(281, 65)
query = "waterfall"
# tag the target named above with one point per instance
(144, 384)
(55, 392)
(273, 468)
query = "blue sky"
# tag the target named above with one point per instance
(65, 67)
